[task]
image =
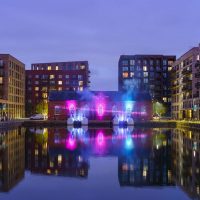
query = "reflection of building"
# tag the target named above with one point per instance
(148, 167)
(99, 105)
(44, 77)
(186, 85)
(47, 153)
(12, 154)
(186, 161)
(148, 73)
(12, 87)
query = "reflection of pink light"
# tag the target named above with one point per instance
(71, 143)
(100, 139)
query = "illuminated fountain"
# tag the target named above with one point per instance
(77, 117)
(123, 118)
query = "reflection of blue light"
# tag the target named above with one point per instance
(129, 143)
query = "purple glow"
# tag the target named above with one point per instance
(100, 110)
(71, 143)
(71, 105)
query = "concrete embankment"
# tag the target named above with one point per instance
(102, 124)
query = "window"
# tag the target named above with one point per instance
(139, 62)
(164, 62)
(57, 68)
(74, 76)
(124, 62)
(80, 83)
(80, 88)
(145, 80)
(59, 82)
(36, 88)
(37, 76)
(44, 89)
(29, 88)
(132, 62)
(145, 74)
(131, 74)
(151, 62)
(80, 77)
(82, 67)
(145, 62)
(125, 74)
(124, 69)
(49, 68)
(36, 82)
(157, 62)
(132, 68)
(165, 99)
(59, 88)
(59, 76)
(169, 68)
(67, 76)
(144, 68)
(57, 110)
(52, 76)
(1, 80)
(44, 95)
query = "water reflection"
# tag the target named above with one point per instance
(12, 154)
(186, 161)
(145, 157)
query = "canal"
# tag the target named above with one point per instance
(68, 163)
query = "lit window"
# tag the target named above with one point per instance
(131, 74)
(59, 88)
(169, 68)
(36, 94)
(80, 83)
(36, 88)
(144, 68)
(67, 76)
(44, 95)
(57, 67)
(82, 67)
(44, 89)
(165, 99)
(49, 68)
(59, 159)
(52, 76)
(125, 74)
(1, 80)
(81, 88)
(59, 82)
(80, 77)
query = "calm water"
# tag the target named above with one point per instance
(100, 164)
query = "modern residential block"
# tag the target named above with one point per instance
(147, 73)
(186, 85)
(12, 87)
(45, 77)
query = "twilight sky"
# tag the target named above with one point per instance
(98, 31)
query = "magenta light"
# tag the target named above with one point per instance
(71, 143)
(71, 105)
(100, 139)
(100, 110)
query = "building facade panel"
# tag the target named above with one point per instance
(12, 87)
(149, 73)
(45, 77)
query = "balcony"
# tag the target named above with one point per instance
(197, 85)
(187, 87)
(197, 75)
(187, 71)
(197, 65)
(187, 79)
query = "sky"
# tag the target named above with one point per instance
(98, 31)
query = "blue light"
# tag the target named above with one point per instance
(129, 143)
(129, 106)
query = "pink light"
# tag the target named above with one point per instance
(71, 143)
(100, 139)
(100, 110)
(71, 105)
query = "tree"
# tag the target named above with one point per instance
(42, 108)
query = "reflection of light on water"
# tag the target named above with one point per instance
(129, 143)
(100, 139)
(71, 143)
